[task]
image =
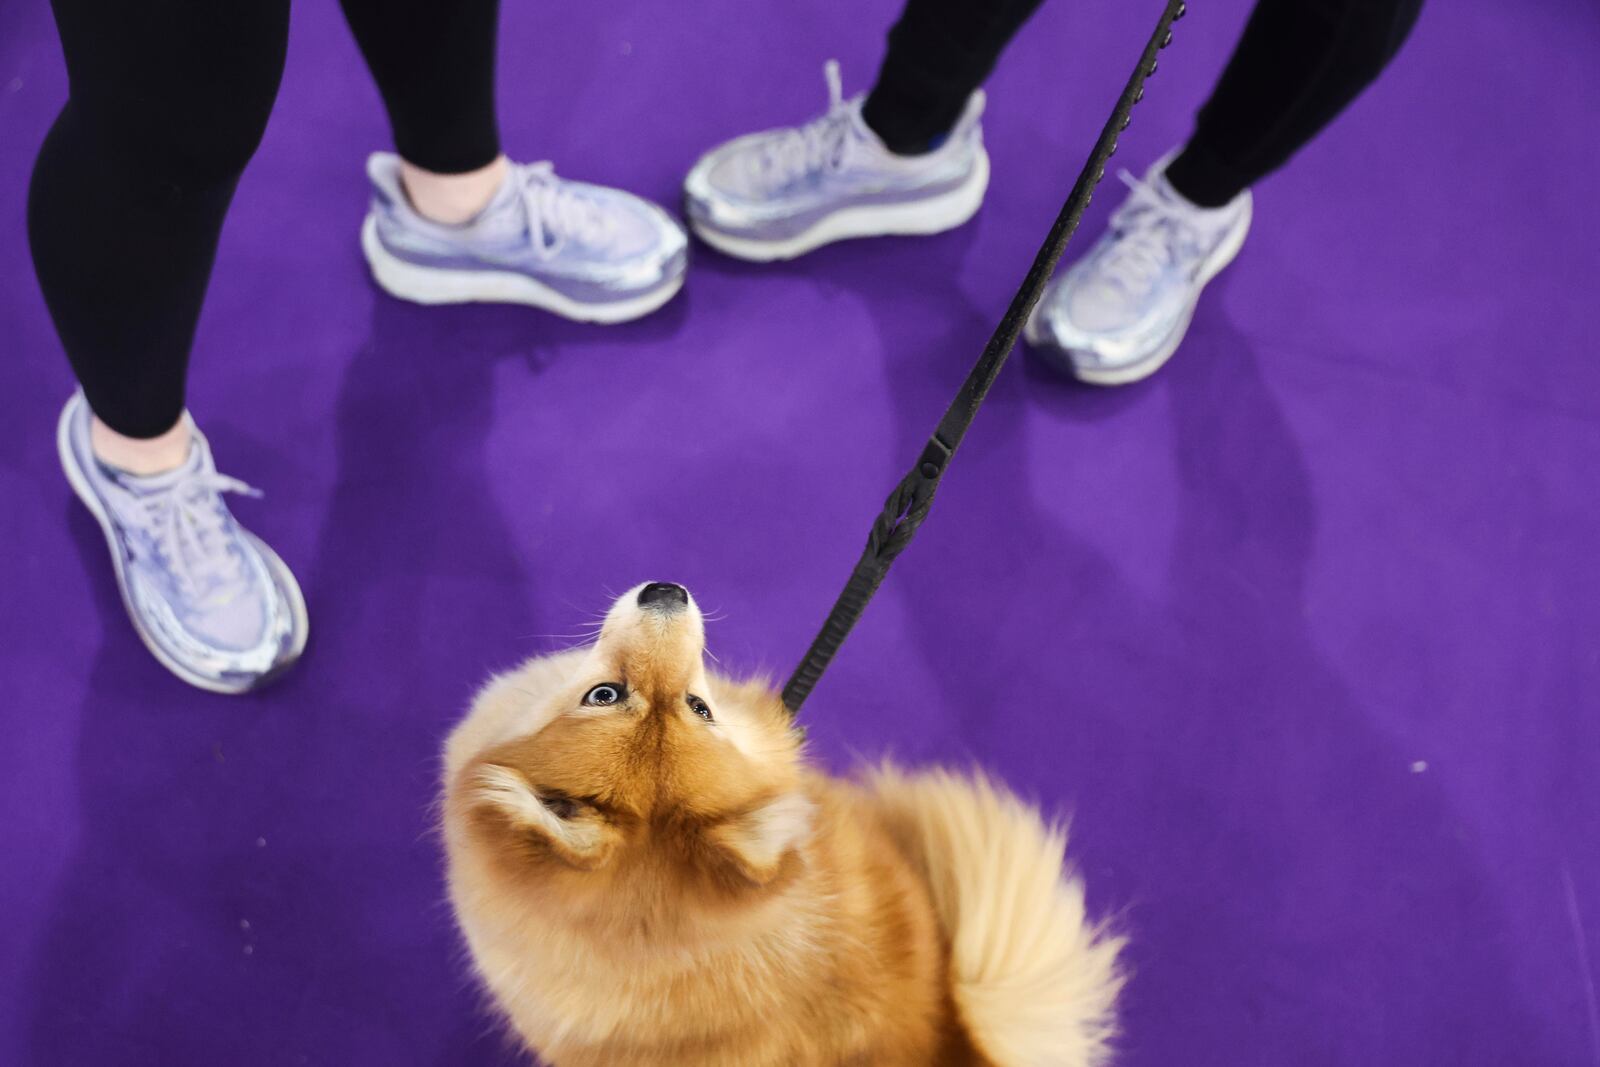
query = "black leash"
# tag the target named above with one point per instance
(909, 503)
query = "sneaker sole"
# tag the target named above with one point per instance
(285, 578)
(435, 285)
(1062, 358)
(936, 215)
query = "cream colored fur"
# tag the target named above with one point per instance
(1035, 982)
(666, 880)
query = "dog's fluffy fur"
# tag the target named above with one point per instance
(639, 885)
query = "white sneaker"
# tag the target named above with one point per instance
(784, 192)
(586, 252)
(1118, 314)
(211, 601)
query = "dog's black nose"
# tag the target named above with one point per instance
(664, 596)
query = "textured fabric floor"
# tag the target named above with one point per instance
(1305, 632)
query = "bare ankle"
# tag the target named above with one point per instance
(140, 455)
(452, 198)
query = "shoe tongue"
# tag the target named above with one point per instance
(155, 483)
(1164, 188)
(508, 192)
(1205, 216)
(858, 124)
(860, 131)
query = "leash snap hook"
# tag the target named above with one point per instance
(935, 454)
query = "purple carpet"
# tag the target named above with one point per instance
(1304, 632)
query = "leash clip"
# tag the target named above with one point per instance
(935, 454)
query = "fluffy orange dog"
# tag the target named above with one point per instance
(647, 872)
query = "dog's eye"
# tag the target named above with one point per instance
(559, 806)
(603, 695)
(699, 707)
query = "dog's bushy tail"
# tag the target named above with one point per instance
(1034, 981)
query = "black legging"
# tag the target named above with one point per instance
(167, 102)
(1296, 67)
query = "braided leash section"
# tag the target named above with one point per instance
(908, 505)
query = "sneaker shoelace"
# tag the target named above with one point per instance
(186, 526)
(558, 212)
(1152, 235)
(817, 145)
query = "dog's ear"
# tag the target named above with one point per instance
(571, 831)
(755, 843)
